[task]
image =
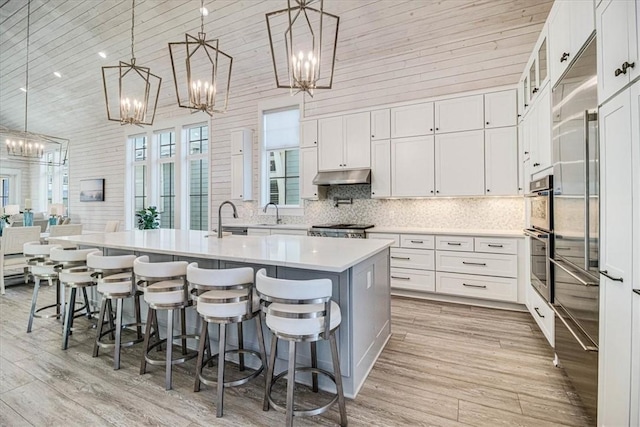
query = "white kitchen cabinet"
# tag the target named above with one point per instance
(241, 141)
(459, 164)
(412, 120)
(459, 114)
(381, 169)
(616, 245)
(571, 22)
(473, 286)
(617, 29)
(308, 171)
(542, 313)
(241, 167)
(501, 161)
(539, 121)
(412, 161)
(308, 133)
(381, 124)
(500, 109)
(344, 142)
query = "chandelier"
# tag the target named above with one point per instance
(136, 87)
(24, 149)
(304, 56)
(204, 69)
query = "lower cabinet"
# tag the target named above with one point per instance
(474, 286)
(412, 279)
(262, 231)
(542, 313)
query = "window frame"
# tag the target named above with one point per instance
(188, 159)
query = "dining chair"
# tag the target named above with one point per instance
(13, 239)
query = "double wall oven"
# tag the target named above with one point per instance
(540, 201)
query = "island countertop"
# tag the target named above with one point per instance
(315, 253)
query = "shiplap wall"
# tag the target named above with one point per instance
(388, 51)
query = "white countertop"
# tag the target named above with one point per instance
(314, 253)
(447, 231)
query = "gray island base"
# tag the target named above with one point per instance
(358, 268)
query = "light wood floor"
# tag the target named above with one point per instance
(445, 364)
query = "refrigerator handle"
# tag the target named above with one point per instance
(586, 190)
(575, 336)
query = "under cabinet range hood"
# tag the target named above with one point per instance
(356, 176)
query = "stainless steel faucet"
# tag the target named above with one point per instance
(235, 215)
(278, 220)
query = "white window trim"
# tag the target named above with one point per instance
(266, 105)
(188, 159)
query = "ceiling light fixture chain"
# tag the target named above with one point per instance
(133, 24)
(26, 85)
(202, 17)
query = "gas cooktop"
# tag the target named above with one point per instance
(344, 226)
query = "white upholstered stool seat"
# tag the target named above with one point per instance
(226, 296)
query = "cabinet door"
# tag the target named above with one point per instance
(237, 142)
(460, 114)
(380, 124)
(501, 161)
(412, 167)
(330, 147)
(460, 164)
(237, 177)
(357, 141)
(616, 174)
(617, 44)
(521, 189)
(500, 109)
(540, 133)
(543, 61)
(560, 53)
(309, 133)
(308, 171)
(412, 120)
(582, 22)
(380, 169)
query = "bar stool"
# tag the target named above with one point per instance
(165, 288)
(225, 297)
(73, 274)
(300, 311)
(42, 268)
(114, 277)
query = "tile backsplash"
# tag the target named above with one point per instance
(495, 213)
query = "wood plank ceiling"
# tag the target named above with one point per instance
(392, 36)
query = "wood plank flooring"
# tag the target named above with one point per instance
(445, 365)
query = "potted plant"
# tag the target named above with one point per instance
(4, 220)
(148, 218)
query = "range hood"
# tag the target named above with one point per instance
(356, 176)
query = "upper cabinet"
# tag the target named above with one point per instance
(618, 49)
(571, 23)
(501, 161)
(308, 133)
(459, 164)
(381, 168)
(308, 171)
(535, 76)
(344, 142)
(412, 167)
(459, 114)
(241, 141)
(380, 124)
(500, 109)
(241, 158)
(412, 120)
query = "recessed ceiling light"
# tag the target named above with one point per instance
(102, 55)
(23, 89)
(204, 11)
(57, 74)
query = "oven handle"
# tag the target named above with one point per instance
(575, 336)
(538, 193)
(535, 233)
(575, 276)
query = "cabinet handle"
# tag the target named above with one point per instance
(605, 273)
(519, 115)
(373, 192)
(535, 165)
(627, 65)
(437, 192)
(401, 257)
(401, 278)
(538, 312)
(431, 130)
(454, 244)
(619, 71)
(637, 291)
(482, 264)
(526, 152)
(535, 90)
(417, 241)
(437, 128)
(475, 286)
(241, 151)
(495, 246)
(562, 248)
(488, 190)
(526, 105)
(487, 123)
(373, 136)
(564, 57)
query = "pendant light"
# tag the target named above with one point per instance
(136, 87)
(201, 72)
(304, 56)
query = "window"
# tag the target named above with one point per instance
(139, 144)
(4, 191)
(167, 150)
(281, 148)
(198, 149)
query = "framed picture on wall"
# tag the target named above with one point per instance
(92, 190)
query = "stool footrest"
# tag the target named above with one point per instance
(47, 316)
(213, 380)
(176, 360)
(307, 412)
(112, 344)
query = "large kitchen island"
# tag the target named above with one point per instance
(358, 268)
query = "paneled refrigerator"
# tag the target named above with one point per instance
(576, 225)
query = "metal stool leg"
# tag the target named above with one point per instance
(86, 303)
(291, 382)
(136, 302)
(270, 367)
(68, 318)
(263, 351)
(147, 336)
(59, 290)
(34, 300)
(201, 347)
(116, 350)
(338, 375)
(168, 371)
(314, 364)
(111, 321)
(240, 347)
(183, 329)
(222, 344)
(156, 330)
(103, 306)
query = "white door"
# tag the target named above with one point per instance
(380, 169)
(308, 171)
(460, 164)
(616, 194)
(500, 109)
(309, 133)
(357, 141)
(412, 167)
(460, 114)
(237, 176)
(380, 124)
(412, 120)
(330, 147)
(560, 53)
(501, 161)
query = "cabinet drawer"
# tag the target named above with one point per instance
(412, 258)
(542, 314)
(417, 241)
(385, 236)
(495, 288)
(415, 280)
(472, 263)
(454, 243)
(496, 245)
